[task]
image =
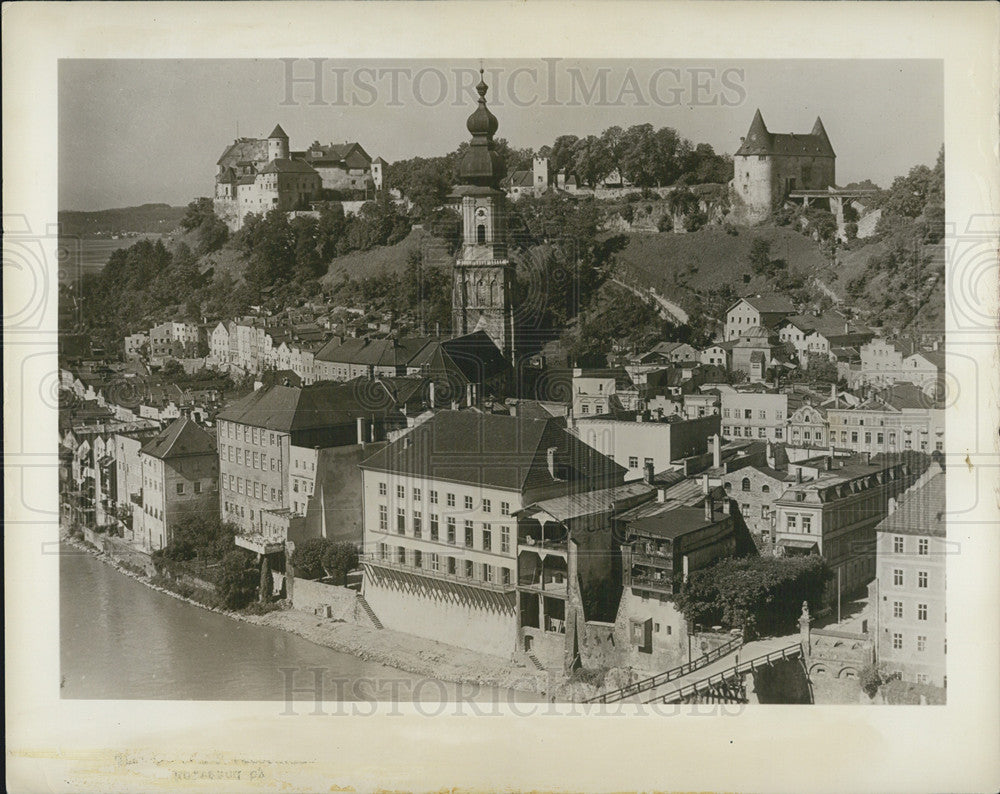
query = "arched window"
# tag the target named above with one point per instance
(481, 233)
(765, 489)
(745, 485)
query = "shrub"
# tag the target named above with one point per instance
(238, 579)
(665, 223)
(317, 558)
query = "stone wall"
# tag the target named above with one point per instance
(326, 600)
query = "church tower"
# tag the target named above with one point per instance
(482, 279)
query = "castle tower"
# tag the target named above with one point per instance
(482, 278)
(277, 145)
(379, 167)
(540, 175)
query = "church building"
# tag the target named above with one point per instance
(483, 276)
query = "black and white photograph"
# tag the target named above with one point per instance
(489, 384)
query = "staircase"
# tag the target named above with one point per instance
(369, 612)
(534, 661)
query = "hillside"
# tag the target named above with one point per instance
(123, 220)
(677, 264)
(387, 258)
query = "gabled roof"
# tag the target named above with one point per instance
(760, 141)
(277, 132)
(282, 165)
(320, 406)
(496, 451)
(767, 304)
(181, 438)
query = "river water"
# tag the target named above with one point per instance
(120, 639)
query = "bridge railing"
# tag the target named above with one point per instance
(659, 679)
(695, 687)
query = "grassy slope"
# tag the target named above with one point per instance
(390, 258)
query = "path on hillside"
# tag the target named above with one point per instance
(750, 650)
(826, 290)
(668, 308)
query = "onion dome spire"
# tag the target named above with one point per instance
(482, 165)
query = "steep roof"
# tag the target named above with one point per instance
(180, 438)
(760, 141)
(277, 132)
(767, 304)
(282, 165)
(323, 405)
(921, 510)
(494, 450)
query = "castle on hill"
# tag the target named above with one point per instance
(257, 175)
(769, 166)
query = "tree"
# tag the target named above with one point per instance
(318, 558)
(821, 368)
(239, 579)
(759, 258)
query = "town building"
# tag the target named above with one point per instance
(136, 344)
(884, 363)
(173, 340)
(768, 166)
(821, 334)
(341, 166)
(759, 414)
(180, 476)
(908, 594)
(753, 489)
(637, 439)
(440, 520)
(268, 447)
(764, 311)
(835, 513)
(895, 419)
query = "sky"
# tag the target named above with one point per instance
(138, 131)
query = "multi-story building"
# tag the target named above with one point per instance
(180, 476)
(440, 520)
(835, 514)
(884, 363)
(756, 311)
(642, 440)
(908, 594)
(267, 450)
(129, 481)
(759, 414)
(134, 345)
(753, 490)
(173, 340)
(602, 391)
(808, 426)
(897, 419)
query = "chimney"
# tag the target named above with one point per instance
(867, 457)
(798, 474)
(833, 394)
(709, 508)
(551, 457)
(469, 393)
(705, 488)
(431, 393)
(361, 430)
(647, 474)
(828, 463)
(716, 450)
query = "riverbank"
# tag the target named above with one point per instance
(393, 649)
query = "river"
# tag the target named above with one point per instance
(120, 639)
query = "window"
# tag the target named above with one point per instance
(745, 484)
(487, 573)
(633, 462)
(451, 565)
(725, 413)
(451, 530)
(765, 489)
(922, 547)
(505, 508)
(468, 534)
(468, 502)
(854, 437)
(922, 579)
(763, 415)
(779, 432)
(400, 520)
(180, 487)
(892, 438)
(468, 569)
(401, 555)
(748, 413)
(451, 500)
(435, 562)
(416, 494)
(487, 537)
(921, 643)
(880, 438)
(921, 611)
(417, 516)
(434, 526)
(400, 492)
(897, 609)
(197, 486)
(897, 577)
(434, 497)
(486, 506)
(807, 524)
(765, 511)
(868, 438)
(505, 539)
(418, 559)
(897, 641)
(779, 414)
(762, 432)
(791, 523)
(381, 489)
(505, 575)
(897, 545)
(647, 461)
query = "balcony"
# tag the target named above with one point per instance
(642, 581)
(259, 543)
(655, 560)
(552, 583)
